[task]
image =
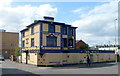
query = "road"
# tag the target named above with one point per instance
(9, 67)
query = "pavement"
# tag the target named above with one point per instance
(9, 67)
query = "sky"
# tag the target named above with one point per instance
(95, 20)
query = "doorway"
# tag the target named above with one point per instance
(118, 58)
(26, 57)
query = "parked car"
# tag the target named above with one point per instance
(2, 58)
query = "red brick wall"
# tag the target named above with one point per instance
(79, 43)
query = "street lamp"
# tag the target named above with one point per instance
(115, 29)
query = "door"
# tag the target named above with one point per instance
(26, 57)
(118, 58)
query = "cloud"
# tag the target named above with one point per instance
(77, 10)
(46, 10)
(4, 3)
(98, 24)
(16, 18)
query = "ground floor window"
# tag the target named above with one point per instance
(51, 41)
(70, 43)
(64, 42)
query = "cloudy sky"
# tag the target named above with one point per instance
(95, 20)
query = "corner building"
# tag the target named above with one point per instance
(49, 43)
(45, 40)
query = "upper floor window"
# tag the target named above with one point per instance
(32, 42)
(51, 41)
(51, 28)
(32, 30)
(3, 44)
(11, 44)
(27, 40)
(71, 31)
(64, 30)
(23, 43)
(23, 34)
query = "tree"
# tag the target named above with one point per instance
(84, 47)
(16, 52)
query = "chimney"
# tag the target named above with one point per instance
(48, 18)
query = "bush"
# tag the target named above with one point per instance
(84, 47)
(16, 52)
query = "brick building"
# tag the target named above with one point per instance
(79, 43)
(9, 41)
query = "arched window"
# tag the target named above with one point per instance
(70, 44)
(51, 41)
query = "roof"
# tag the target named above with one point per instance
(44, 21)
(80, 41)
(10, 32)
(24, 29)
(77, 41)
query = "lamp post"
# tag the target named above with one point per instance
(115, 29)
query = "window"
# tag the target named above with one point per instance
(71, 31)
(23, 34)
(6, 52)
(11, 44)
(64, 42)
(3, 44)
(32, 30)
(32, 42)
(51, 28)
(64, 30)
(51, 41)
(70, 42)
(27, 41)
(23, 43)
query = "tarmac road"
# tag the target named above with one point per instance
(9, 67)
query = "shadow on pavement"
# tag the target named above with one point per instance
(101, 65)
(15, 72)
(94, 65)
